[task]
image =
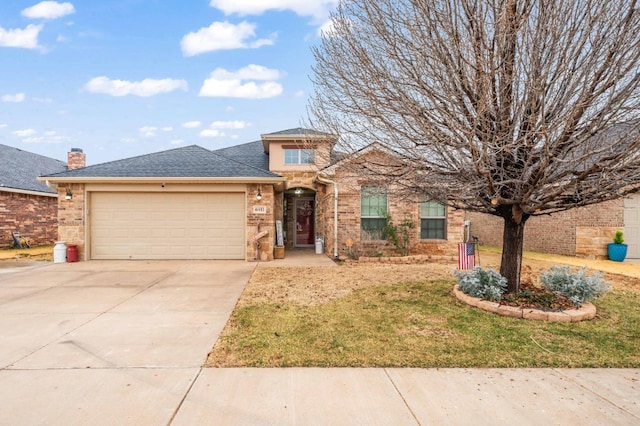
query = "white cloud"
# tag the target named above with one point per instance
(18, 97)
(232, 84)
(167, 129)
(144, 88)
(48, 10)
(50, 139)
(214, 130)
(24, 133)
(222, 36)
(148, 131)
(27, 38)
(191, 124)
(229, 124)
(318, 9)
(3, 125)
(211, 133)
(128, 140)
(328, 28)
(176, 142)
(49, 136)
(299, 94)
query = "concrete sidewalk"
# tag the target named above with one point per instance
(313, 396)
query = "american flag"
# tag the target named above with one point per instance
(466, 255)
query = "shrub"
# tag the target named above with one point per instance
(400, 235)
(618, 238)
(486, 284)
(576, 286)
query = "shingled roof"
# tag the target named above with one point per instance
(298, 131)
(189, 161)
(19, 169)
(251, 153)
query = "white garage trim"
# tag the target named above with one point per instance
(166, 225)
(632, 226)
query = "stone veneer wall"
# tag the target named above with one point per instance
(257, 222)
(582, 232)
(71, 224)
(34, 217)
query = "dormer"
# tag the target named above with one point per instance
(298, 150)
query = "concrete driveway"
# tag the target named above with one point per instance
(106, 342)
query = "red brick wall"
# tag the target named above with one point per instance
(35, 217)
(557, 233)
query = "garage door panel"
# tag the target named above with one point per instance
(167, 225)
(632, 226)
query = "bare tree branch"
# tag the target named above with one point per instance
(511, 108)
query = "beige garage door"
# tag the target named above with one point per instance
(632, 226)
(167, 225)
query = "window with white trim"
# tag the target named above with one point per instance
(433, 221)
(299, 156)
(373, 212)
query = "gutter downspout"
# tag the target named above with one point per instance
(51, 186)
(335, 212)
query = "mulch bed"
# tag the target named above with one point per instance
(535, 297)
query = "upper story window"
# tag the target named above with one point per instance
(299, 156)
(373, 212)
(433, 221)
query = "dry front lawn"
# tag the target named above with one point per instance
(380, 315)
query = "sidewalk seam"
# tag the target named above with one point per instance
(593, 392)
(184, 397)
(413, 414)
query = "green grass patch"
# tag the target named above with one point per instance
(423, 325)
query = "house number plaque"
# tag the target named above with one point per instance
(259, 209)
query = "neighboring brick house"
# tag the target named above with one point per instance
(192, 203)
(27, 206)
(583, 232)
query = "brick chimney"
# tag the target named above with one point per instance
(76, 159)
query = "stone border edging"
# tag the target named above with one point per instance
(407, 260)
(586, 312)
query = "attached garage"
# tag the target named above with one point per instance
(632, 226)
(140, 225)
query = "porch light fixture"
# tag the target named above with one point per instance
(259, 196)
(68, 195)
(298, 191)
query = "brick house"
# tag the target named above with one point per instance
(583, 232)
(27, 206)
(192, 203)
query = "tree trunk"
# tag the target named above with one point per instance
(512, 243)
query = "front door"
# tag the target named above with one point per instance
(304, 222)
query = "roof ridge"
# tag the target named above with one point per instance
(140, 156)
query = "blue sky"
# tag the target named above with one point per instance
(127, 77)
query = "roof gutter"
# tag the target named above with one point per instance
(335, 212)
(29, 192)
(167, 179)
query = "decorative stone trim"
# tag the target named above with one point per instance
(407, 260)
(586, 312)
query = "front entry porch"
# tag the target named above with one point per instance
(299, 218)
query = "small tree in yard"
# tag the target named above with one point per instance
(511, 108)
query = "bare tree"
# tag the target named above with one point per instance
(514, 108)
